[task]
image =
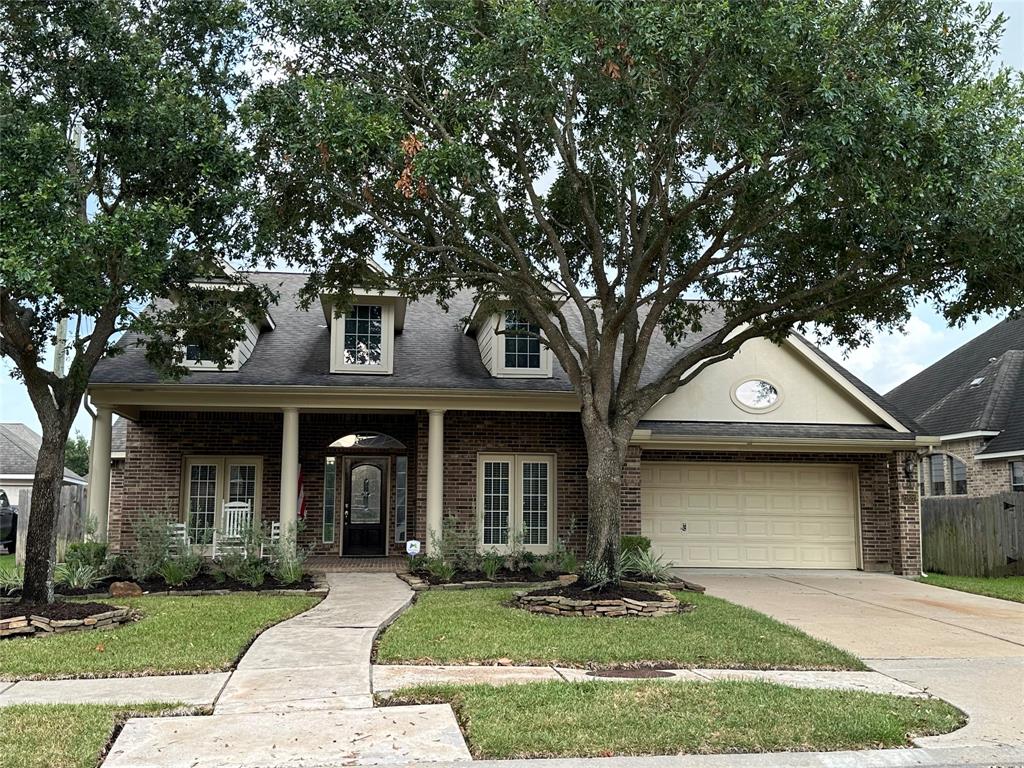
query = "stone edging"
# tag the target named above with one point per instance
(33, 624)
(556, 605)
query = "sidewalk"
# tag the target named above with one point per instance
(301, 696)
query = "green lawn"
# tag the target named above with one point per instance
(176, 634)
(1005, 588)
(63, 735)
(555, 719)
(6, 562)
(452, 627)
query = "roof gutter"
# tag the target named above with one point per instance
(646, 439)
(1000, 455)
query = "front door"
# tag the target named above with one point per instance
(365, 525)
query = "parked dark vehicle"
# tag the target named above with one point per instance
(8, 525)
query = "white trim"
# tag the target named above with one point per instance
(387, 341)
(1018, 454)
(734, 390)
(965, 435)
(515, 462)
(502, 371)
(31, 478)
(222, 485)
(644, 437)
(818, 362)
(118, 455)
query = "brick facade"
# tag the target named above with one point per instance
(984, 478)
(150, 480)
(158, 443)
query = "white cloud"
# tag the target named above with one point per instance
(895, 356)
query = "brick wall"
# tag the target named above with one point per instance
(906, 512)
(157, 444)
(468, 433)
(983, 477)
(150, 481)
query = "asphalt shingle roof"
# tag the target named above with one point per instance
(19, 448)
(432, 352)
(977, 387)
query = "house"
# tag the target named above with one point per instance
(19, 448)
(374, 426)
(973, 399)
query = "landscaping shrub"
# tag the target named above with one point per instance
(229, 566)
(490, 564)
(287, 558)
(630, 544)
(92, 553)
(180, 569)
(565, 559)
(254, 572)
(439, 568)
(11, 579)
(646, 567)
(538, 566)
(76, 575)
(152, 547)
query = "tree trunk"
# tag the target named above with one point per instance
(605, 459)
(41, 542)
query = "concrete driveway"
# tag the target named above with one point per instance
(966, 649)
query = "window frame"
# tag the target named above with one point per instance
(222, 486)
(952, 464)
(500, 339)
(387, 339)
(1016, 487)
(932, 482)
(516, 462)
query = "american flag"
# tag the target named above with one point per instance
(302, 496)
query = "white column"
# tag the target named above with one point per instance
(99, 470)
(435, 475)
(289, 471)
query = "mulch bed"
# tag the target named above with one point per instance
(58, 611)
(202, 582)
(576, 591)
(524, 575)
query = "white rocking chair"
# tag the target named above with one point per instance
(236, 518)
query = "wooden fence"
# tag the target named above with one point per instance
(973, 537)
(70, 519)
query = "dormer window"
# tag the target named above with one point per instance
(363, 335)
(511, 345)
(521, 342)
(193, 353)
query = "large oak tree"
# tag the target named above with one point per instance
(596, 163)
(121, 178)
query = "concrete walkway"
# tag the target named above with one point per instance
(964, 648)
(301, 696)
(191, 690)
(388, 678)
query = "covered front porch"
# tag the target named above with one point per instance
(352, 484)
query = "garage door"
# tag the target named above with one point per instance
(751, 515)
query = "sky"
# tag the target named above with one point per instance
(890, 359)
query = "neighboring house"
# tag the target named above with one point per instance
(973, 399)
(375, 425)
(19, 448)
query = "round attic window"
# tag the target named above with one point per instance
(757, 396)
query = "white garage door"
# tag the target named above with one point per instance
(750, 515)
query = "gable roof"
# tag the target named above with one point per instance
(923, 390)
(432, 352)
(19, 449)
(978, 387)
